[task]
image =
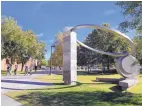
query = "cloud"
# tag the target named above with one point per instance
(109, 12)
(39, 35)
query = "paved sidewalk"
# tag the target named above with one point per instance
(7, 101)
(20, 82)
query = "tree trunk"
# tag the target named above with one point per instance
(22, 66)
(88, 69)
(108, 64)
(108, 67)
(103, 67)
(11, 60)
(59, 67)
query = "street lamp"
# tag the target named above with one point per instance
(51, 60)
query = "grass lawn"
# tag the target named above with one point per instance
(86, 93)
(3, 72)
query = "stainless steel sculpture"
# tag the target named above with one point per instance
(127, 65)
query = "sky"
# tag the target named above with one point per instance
(48, 18)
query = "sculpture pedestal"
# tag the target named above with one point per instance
(109, 80)
(127, 83)
(70, 59)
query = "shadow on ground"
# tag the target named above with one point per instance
(48, 72)
(96, 98)
(96, 73)
(62, 85)
(28, 84)
(25, 82)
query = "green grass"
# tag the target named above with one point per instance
(3, 72)
(87, 92)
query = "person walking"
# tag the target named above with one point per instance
(16, 67)
(9, 69)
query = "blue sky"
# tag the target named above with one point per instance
(47, 18)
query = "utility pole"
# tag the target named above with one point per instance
(51, 60)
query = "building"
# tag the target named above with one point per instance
(4, 65)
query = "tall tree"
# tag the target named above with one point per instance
(132, 10)
(57, 56)
(102, 40)
(10, 34)
(44, 62)
(18, 44)
(138, 42)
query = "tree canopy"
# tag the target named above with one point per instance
(138, 42)
(102, 40)
(57, 55)
(132, 10)
(18, 44)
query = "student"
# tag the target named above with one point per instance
(16, 67)
(8, 69)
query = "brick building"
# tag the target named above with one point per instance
(4, 65)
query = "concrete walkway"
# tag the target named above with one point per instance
(20, 82)
(7, 101)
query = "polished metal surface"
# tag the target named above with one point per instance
(102, 52)
(127, 65)
(133, 49)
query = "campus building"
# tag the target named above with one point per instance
(4, 65)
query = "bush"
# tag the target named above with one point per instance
(44, 63)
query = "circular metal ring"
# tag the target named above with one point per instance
(132, 45)
(127, 65)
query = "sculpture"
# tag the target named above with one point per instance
(126, 63)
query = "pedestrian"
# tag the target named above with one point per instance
(26, 69)
(16, 67)
(9, 69)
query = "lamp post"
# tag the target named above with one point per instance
(51, 60)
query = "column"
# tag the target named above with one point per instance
(70, 59)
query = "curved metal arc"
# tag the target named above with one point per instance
(102, 52)
(133, 48)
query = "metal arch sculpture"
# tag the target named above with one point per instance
(126, 63)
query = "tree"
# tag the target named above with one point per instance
(102, 40)
(10, 33)
(31, 48)
(18, 44)
(57, 56)
(44, 62)
(132, 10)
(138, 42)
